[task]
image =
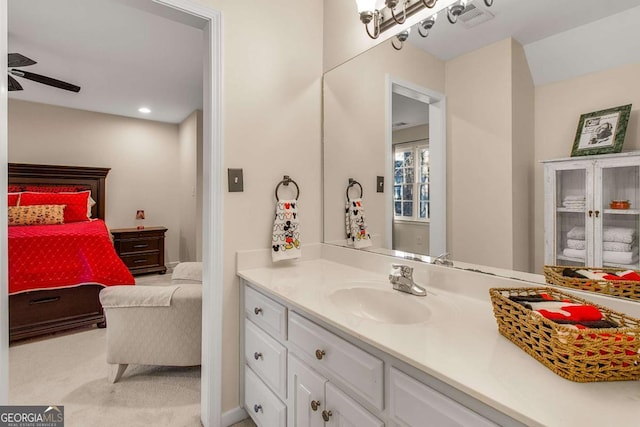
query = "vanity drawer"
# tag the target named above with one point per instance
(412, 402)
(266, 313)
(267, 357)
(263, 406)
(360, 370)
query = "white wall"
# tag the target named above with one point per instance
(189, 145)
(272, 126)
(488, 225)
(141, 154)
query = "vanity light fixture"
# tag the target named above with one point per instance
(425, 26)
(391, 4)
(401, 37)
(455, 10)
(368, 11)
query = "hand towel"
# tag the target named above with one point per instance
(286, 231)
(347, 222)
(576, 233)
(574, 198)
(575, 253)
(576, 244)
(624, 258)
(357, 227)
(618, 234)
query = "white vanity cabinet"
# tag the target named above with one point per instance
(298, 373)
(583, 225)
(315, 401)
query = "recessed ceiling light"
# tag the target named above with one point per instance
(144, 110)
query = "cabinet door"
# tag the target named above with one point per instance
(617, 212)
(342, 411)
(569, 213)
(306, 389)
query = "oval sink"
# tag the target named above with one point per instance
(385, 306)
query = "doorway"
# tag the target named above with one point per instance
(212, 209)
(415, 213)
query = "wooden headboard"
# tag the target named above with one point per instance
(23, 174)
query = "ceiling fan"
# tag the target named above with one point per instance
(18, 60)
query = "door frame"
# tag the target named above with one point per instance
(437, 154)
(212, 236)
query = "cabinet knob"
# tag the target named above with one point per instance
(257, 408)
(257, 310)
(320, 354)
(257, 355)
(315, 404)
(597, 214)
(590, 213)
(326, 414)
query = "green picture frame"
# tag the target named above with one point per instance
(601, 132)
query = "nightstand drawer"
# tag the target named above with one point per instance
(139, 245)
(141, 260)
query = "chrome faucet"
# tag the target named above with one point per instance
(402, 280)
(443, 259)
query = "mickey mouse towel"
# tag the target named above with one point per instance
(356, 227)
(286, 231)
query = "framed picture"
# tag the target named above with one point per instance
(601, 132)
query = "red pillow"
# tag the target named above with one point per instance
(13, 199)
(55, 188)
(76, 203)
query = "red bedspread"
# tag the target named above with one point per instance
(61, 256)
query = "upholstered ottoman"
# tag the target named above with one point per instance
(155, 325)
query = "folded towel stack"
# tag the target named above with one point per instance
(577, 202)
(619, 245)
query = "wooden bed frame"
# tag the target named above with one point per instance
(44, 312)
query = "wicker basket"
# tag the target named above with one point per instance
(618, 288)
(578, 355)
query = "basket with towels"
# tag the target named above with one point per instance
(617, 282)
(574, 338)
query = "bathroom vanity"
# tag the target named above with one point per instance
(327, 343)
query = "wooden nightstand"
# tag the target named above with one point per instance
(142, 250)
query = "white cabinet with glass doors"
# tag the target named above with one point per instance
(592, 211)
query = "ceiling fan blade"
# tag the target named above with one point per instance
(13, 84)
(46, 80)
(17, 60)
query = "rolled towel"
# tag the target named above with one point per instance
(576, 233)
(607, 246)
(576, 244)
(624, 258)
(619, 234)
(575, 253)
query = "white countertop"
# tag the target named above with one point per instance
(459, 345)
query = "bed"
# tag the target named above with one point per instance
(57, 271)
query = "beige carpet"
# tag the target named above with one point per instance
(71, 370)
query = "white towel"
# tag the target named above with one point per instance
(610, 234)
(625, 258)
(574, 204)
(574, 198)
(357, 231)
(285, 242)
(607, 246)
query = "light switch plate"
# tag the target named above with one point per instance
(380, 184)
(235, 180)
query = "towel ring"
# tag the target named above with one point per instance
(353, 182)
(286, 180)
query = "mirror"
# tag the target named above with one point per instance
(505, 91)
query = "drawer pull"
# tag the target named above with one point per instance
(315, 404)
(257, 310)
(257, 355)
(326, 414)
(139, 261)
(141, 246)
(43, 300)
(320, 354)
(257, 408)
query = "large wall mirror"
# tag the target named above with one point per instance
(457, 124)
